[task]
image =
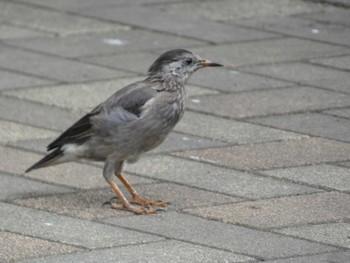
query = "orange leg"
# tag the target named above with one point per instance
(136, 199)
(125, 204)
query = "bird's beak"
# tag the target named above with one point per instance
(208, 63)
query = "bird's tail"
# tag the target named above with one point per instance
(50, 159)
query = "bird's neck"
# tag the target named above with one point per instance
(166, 82)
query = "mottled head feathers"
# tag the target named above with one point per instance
(166, 58)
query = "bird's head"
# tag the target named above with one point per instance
(178, 63)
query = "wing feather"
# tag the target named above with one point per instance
(123, 106)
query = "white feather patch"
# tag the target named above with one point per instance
(73, 149)
(147, 105)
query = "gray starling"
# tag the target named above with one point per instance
(134, 120)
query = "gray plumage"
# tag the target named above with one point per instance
(132, 121)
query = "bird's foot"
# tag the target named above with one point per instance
(138, 210)
(144, 202)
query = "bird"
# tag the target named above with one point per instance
(133, 121)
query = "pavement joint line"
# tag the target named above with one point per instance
(21, 149)
(184, 240)
(327, 189)
(39, 102)
(173, 153)
(326, 2)
(270, 115)
(42, 53)
(81, 59)
(291, 35)
(312, 240)
(78, 219)
(111, 247)
(299, 132)
(295, 166)
(29, 125)
(346, 54)
(273, 63)
(310, 254)
(301, 112)
(296, 83)
(294, 195)
(182, 210)
(200, 137)
(222, 92)
(123, 53)
(235, 144)
(273, 229)
(45, 239)
(310, 62)
(274, 197)
(52, 34)
(155, 51)
(41, 181)
(78, 162)
(248, 40)
(29, 75)
(174, 2)
(110, 21)
(292, 82)
(9, 23)
(339, 164)
(191, 186)
(293, 85)
(85, 249)
(57, 10)
(269, 230)
(324, 188)
(331, 56)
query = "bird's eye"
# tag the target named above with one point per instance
(188, 61)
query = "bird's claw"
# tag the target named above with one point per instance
(144, 202)
(143, 208)
(139, 210)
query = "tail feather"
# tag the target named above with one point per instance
(47, 160)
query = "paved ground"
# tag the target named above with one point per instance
(257, 170)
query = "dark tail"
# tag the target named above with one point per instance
(47, 160)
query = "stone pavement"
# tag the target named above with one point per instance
(257, 170)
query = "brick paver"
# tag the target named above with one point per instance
(273, 154)
(258, 168)
(281, 212)
(218, 235)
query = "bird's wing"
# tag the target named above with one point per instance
(123, 106)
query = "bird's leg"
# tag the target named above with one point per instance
(125, 204)
(108, 171)
(136, 199)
